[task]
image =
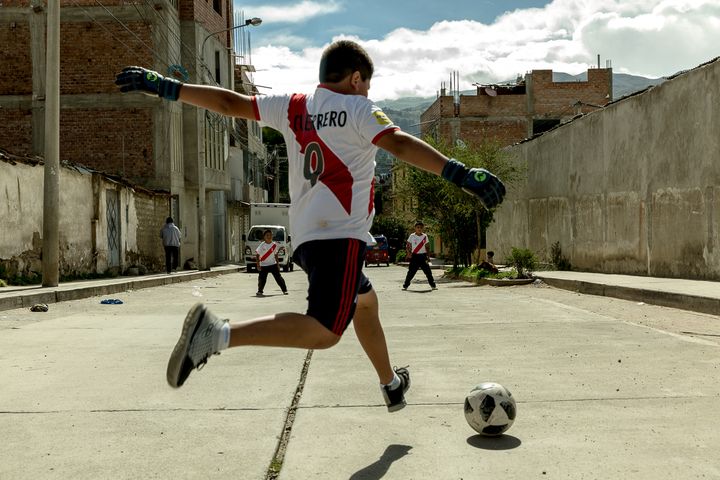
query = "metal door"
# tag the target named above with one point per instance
(113, 227)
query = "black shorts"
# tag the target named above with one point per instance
(334, 270)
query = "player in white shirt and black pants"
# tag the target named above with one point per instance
(267, 262)
(417, 251)
(332, 136)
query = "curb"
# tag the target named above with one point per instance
(681, 301)
(27, 300)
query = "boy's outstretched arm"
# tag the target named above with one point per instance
(220, 100)
(476, 181)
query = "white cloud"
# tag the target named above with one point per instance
(642, 37)
(299, 12)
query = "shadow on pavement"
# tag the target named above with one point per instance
(503, 442)
(379, 468)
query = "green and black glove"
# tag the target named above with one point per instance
(148, 82)
(475, 181)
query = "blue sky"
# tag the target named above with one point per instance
(417, 44)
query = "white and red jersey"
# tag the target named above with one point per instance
(418, 243)
(331, 141)
(266, 252)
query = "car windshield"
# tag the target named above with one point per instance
(381, 241)
(256, 234)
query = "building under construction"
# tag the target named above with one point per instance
(508, 113)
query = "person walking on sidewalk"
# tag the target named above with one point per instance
(267, 262)
(332, 136)
(417, 250)
(170, 235)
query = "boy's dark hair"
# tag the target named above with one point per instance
(343, 58)
(490, 253)
(169, 220)
(266, 231)
(419, 224)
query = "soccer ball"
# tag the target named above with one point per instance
(490, 409)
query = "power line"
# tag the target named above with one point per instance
(131, 49)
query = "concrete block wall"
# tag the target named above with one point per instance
(632, 189)
(83, 221)
(151, 210)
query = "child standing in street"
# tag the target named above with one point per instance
(416, 247)
(332, 136)
(266, 256)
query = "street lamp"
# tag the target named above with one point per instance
(255, 21)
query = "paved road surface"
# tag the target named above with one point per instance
(606, 389)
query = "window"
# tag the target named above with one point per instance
(217, 6)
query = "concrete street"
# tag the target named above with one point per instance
(605, 388)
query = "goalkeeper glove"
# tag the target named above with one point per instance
(148, 82)
(475, 181)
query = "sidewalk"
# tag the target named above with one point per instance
(694, 295)
(25, 297)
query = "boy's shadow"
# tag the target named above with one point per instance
(380, 467)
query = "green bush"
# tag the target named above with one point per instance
(523, 260)
(400, 256)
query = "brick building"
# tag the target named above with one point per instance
(159, 145)
(510, 113)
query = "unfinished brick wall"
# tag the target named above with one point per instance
(118, 142)
(505, 117)
(16, 131)
(91, 55)
(556, 99)
(16, 78)
(202, 12)
(484, 105)
(505, 132)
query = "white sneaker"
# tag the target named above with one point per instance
(200, 338)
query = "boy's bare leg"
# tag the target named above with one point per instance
(371, 335)
(282, 330)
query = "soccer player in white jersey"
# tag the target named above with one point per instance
(266, 258)
(332, 136)
(417, 251)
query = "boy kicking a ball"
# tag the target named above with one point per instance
(332, 136)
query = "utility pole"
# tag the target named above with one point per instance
(51, 186)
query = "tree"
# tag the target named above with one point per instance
(459, 218)
(394, 229)
(277, 150)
